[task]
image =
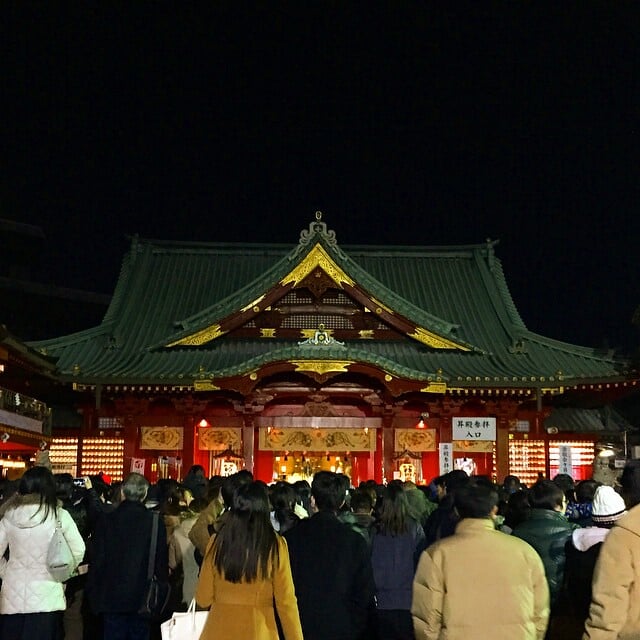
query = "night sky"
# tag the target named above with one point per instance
(405, 123)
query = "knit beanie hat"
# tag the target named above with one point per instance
(608, 506)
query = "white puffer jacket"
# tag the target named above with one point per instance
(27, 586)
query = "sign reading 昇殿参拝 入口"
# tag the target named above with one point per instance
(474, 428)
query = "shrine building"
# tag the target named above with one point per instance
(377, 361)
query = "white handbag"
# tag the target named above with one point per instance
(184, 626)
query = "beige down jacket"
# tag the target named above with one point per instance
(615, 602)
(479, 584)
(27, 586)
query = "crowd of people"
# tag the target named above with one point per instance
(461, 557)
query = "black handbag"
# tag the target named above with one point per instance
(157, 592)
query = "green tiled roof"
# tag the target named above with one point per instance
(167, 290)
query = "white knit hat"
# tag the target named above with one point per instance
(608, 506)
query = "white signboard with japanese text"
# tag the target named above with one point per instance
(446, 457)
(474, 428)
(565, 464)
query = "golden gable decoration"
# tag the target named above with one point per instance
(199, 337)
(161, 438)
(317, 257)
(272, 439)
(414, 440)
(219, 439)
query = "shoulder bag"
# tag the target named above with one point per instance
(60, 561)
(156, 593)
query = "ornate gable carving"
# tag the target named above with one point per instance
(318, 409)
(317, 282)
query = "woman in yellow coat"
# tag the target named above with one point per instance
(245, 572)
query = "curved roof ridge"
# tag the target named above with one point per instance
(435, 249)
(124, 281)
(254, 247)
(72, 338)
(159, 244)
(579, 350)
(498, 290)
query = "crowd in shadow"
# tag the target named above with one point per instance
(460, 557)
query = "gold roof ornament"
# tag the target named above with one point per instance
(322, 367)
(321, 338)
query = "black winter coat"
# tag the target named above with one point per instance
(332, 576)
(119, 559)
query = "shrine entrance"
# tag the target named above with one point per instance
(294, 466)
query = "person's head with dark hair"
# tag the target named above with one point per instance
(579, 508)
(303, 493)
(369, 486)
(174, 501)
(393, 513)
(283, 497)
(476, 500)
(517, 509)
(196, 470)
(283, 502)
(264, 484)
(362, 501)
(511, 484)
(246, 547)
(451, 482)
(72, 498)
(456, 479)
(163, 490)
(232, 483)
(586, 490)
(327, 491)
(114, 492)
(39, 481)
(630, 483)
(439, 487)
(64, 486)
(213, 488)
(196, 481)
(567, 484)
(546, 494)
(100, 487)
(485, 480)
